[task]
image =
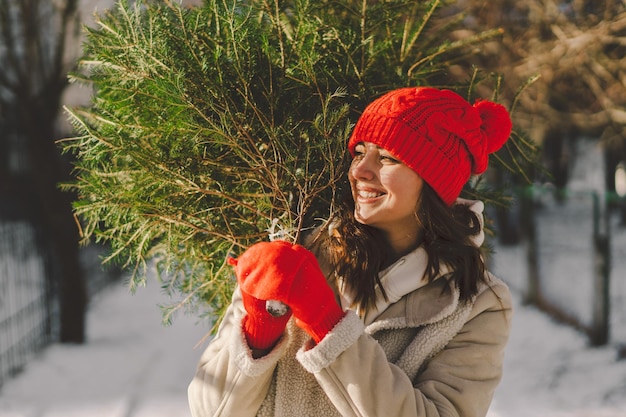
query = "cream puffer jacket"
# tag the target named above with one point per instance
(425, 355)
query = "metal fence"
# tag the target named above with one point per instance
(617, 288)
(28, 308)
(576, 261)
(29, 303)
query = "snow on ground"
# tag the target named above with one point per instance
(550, 371)
(132, 366)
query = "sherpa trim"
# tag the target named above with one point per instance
(242, 354)
(431, 340)
(338, 340)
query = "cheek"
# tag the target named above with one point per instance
(416, 190)
(398, 181)
(351, 180)
(406, 188)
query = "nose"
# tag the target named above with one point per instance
(363, 168)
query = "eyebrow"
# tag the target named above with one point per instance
(375, 145)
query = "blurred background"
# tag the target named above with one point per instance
(561, 246)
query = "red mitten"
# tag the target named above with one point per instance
(262, 330)
(312, 300)
(289, 273)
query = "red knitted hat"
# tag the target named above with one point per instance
(435, 132)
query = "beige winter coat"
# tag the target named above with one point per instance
(425, 355)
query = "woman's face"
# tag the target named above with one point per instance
(385, 191)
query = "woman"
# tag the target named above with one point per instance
(395, 315)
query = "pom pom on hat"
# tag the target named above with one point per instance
(435, 132)
(497, 124)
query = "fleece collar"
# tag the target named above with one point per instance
(407, 275)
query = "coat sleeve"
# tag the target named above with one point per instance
(228, 381)
(459, 381)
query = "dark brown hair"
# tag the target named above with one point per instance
(352, 250)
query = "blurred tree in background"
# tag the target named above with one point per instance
(215, 127)
(35, 57)
(578, 50)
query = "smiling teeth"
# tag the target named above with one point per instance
(369, 194)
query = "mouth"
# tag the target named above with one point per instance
(369, 194)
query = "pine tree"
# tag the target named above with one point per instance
(214, 127)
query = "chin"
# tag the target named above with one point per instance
(367, 221)
(359, 219)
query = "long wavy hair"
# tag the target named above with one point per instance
(352, 253)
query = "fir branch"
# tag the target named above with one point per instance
(214, 127)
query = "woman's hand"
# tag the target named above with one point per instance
(290, 274)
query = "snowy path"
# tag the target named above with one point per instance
(134, 367)
(549, 369)
(550, 372)
(131, 365)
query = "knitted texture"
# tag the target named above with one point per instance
(291, 274)
(436, 133)
(262, 330)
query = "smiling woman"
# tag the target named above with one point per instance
(395, 280)
(385, 192)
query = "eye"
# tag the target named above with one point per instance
(386, 158)
(359, 152)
